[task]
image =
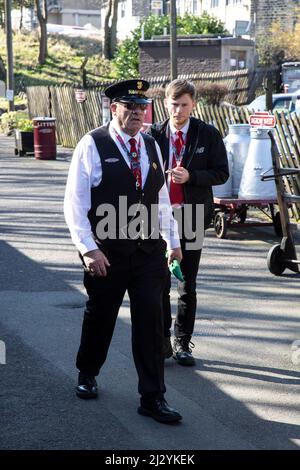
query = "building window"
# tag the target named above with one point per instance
(157, 7)
(123, 9)
(195, 7)
(238, 60)
(214, 3)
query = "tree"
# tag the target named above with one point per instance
(110, 29)
(16, 5)
(42, 15)
(280, 45)
(127, 59)
(23, 4)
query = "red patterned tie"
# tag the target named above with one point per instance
(135, 163)
(176, 190)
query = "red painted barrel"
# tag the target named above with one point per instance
(44, 138)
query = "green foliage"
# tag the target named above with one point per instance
(15, 120)
(126, 61)
(270, 52)
(25, 125)
(66, 56)
(204, 24)
(281, 43)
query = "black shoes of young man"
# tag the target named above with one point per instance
(87, 386)
(159, 410)
(182, 351)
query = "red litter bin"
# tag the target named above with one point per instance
(44, 138)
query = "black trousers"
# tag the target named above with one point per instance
(187, 296)
(143, 276)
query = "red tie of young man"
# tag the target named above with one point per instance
(176, 190)
(135, 163)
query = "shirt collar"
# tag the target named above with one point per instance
(124, 136)
(184, 129)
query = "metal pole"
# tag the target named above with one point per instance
(173, 41)
(9, 48)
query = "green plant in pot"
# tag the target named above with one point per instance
(25, 125)
(24, 137)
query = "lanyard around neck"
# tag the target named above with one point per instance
(124, 147)
(178, 157)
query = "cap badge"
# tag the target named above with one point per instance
(139, 85)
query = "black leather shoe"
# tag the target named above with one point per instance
(159, 410)
(87, 386)
(167, 348)
(182, 351)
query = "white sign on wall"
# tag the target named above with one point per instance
(10, 95)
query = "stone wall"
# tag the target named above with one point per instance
(193, 57)
(140, 8)
(268, 11)
(82, 4)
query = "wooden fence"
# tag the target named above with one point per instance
(74, 119)
(218, 116)
(287, 136)
(242, 85)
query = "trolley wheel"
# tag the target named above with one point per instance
(275, 260)
(16, 151)
(220, 225)
(277, 225)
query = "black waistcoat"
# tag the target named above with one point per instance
(117, 189)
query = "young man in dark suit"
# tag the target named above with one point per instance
(195, 159)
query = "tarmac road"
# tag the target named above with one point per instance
(242, 394)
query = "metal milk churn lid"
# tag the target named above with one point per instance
(259, 159)
(237, 142)
(225, 190)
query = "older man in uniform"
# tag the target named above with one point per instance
(112, 165)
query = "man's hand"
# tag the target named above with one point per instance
(96, 262)
(175, 253)
(180, 175)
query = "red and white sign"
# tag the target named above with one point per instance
(80, 96)
(262, 119)
(106, 115)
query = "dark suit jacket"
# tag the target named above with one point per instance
(205, 158)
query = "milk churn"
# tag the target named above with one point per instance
(237, 142)
(225, 190)
(259, 159)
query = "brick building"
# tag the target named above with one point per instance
(196, 55)
(264, 12)
(252, 17)
(75, 12)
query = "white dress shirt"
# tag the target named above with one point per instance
(86, 172)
